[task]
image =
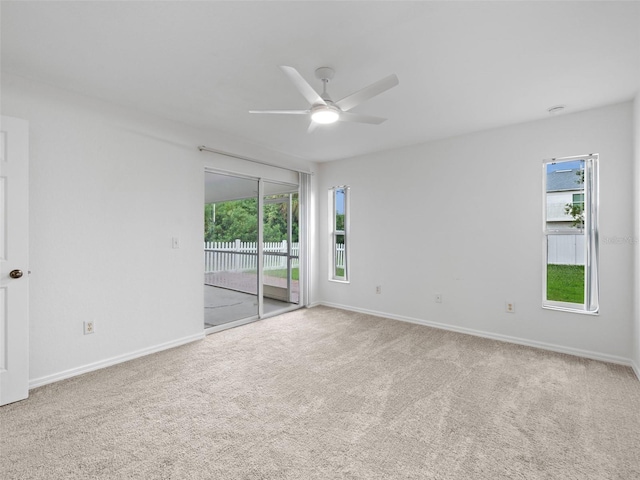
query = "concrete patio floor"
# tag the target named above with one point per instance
(222, 305)
(248, 282)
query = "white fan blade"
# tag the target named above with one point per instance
(360, 118)
(284, 112)
(303, 87)
(312, 126)
(350, 101)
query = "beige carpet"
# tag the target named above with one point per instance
(327, 394)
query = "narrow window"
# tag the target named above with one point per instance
(570, 223)
(339, 233)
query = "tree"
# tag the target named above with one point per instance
(228, 221)
(209, 221)
(576, 210)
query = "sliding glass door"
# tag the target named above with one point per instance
(251, 249)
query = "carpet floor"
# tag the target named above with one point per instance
(328, 394)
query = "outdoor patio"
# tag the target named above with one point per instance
(247, 282)
(231, 296)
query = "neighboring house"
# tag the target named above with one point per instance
(563, 188)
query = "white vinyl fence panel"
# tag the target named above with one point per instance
(565, 249)
(340, 255)
(243, 256)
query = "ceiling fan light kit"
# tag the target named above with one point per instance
(325, 114)
(322, 109)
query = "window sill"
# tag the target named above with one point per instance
(563, 308)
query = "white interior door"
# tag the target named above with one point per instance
(14, 252)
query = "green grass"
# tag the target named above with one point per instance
(282, 273)
(565, 283)
(295, 273)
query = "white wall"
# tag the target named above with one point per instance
(109, 188)
(463, 217)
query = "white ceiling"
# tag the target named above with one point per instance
(463, 66)
(223, 188)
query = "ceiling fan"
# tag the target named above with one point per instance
(323, 109)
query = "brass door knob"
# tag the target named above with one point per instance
(15, 273)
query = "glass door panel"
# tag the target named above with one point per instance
(281, 247)
(230, 249)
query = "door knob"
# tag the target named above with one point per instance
(15, 273)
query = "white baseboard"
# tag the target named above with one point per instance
(636, 369)
(603, 357)
(90, 367)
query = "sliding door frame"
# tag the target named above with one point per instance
(260, 277)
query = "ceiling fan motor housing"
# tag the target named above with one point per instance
(324, 73)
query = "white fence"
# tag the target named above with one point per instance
(565, 249)
(340, 255)
(243, 256)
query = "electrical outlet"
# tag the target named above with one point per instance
(379, 289)
(88, 328)
(509, 307)
(438, 298)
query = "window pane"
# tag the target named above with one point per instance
(565, 268)
(339, 256)
(570, 226)
(339, 209)
(578, 198)
(565, 195)
(338, 226)
(278, 283)
(280, 272)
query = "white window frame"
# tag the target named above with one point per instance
(334, 232)
(591, 280)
